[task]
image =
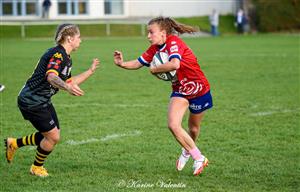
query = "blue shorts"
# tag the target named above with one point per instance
(197, 104)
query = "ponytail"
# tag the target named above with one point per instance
(171, 26)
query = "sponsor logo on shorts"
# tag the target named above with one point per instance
(206, 105)
(51, 122)
(199, 107)
(196, 107)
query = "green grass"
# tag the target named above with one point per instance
(87, 30)
(226, 23)
(116, 30)
(251, 135)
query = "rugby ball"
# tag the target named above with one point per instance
(159, 59)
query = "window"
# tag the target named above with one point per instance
(82, 8)
(7, 8)
(18, 7)
(113, 7)
(107, 7)
(62, 7)
(31, 8)
(72, 7)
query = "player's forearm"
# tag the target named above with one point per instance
(169, 66)
(131, 65)
(57, 82)
(78, 79)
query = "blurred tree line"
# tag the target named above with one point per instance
(273, 15)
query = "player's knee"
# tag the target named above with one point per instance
(174, 127)
(194, 129)
(54, 139)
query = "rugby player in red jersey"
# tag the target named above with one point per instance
(191, 89)
(53, 72)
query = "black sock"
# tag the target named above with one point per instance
(33, 139)
(40, 156)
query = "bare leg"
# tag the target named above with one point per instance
(177, 108)
(194, 125)
(51, 138)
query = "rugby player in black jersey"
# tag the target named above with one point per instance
(53, 72)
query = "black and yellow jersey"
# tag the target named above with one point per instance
(37, 91)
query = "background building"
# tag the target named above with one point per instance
(105, 9)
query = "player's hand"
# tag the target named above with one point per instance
(74, 89)
(95, 65)
(152, 70)
(118, 58)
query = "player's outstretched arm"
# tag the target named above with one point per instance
(57, 82)
(78, 79)
(133, 64)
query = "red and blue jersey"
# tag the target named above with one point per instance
(191, 81)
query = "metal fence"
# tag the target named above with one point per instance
(24, 24)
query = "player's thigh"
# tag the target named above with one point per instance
(177, 108)
(195, 119)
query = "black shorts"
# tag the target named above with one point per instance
(43, 119)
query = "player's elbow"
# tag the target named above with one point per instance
(50, 77)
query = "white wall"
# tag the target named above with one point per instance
(179, 8)
(95, 10)
(144, 8)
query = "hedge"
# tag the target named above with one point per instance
(277, 15)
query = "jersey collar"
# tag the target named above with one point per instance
(63, 49)
(161, 47)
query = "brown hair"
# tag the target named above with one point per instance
(171, 26)
(65, 30)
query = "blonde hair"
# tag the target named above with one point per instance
(65, 30)
(171, 26)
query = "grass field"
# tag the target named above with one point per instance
(115, 138)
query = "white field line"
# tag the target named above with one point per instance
(266, 113)
(93, 140)
(103, 139)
